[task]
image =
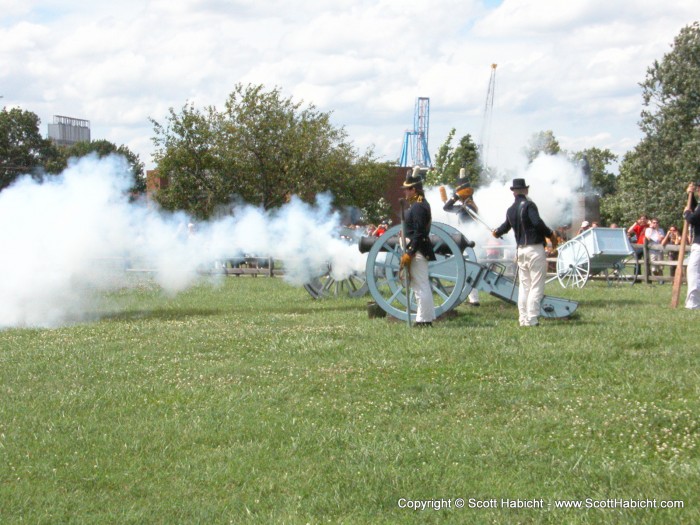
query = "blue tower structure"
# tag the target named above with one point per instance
(415, 143)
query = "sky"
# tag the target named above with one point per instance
(571, 67)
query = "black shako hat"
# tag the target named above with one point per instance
(519, 184)
(413, 179)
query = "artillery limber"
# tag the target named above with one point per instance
(452, 276)
(598, 251)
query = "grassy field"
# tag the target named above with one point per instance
(252, 403)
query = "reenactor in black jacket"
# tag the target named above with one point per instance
(461, 203)
(530, 236)
(419, 249)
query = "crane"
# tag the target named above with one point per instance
(415, 142)
(485, 137)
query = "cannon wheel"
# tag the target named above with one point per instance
(624, 271)
(325, 286)
(573, 264)
(468, 255)
(447, 274)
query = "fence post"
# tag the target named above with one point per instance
(645, 251)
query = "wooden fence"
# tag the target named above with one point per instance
(269, 267)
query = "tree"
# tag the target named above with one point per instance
(261, 148)
(449, 160)
(187, 153)
(22, 148)
(277, 147)
(541, 142)
(654, 175)
(597, 161)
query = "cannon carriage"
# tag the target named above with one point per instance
(452, 275)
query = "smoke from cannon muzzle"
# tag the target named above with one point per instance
(365, 243)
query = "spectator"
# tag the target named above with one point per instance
(672, 237)
(379, 231)
(585, 225)
(636, 231)
(636, 235)
(655, 234)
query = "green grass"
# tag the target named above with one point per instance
(253, 403)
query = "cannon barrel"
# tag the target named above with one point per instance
(365, 243)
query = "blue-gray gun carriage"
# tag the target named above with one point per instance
(453, 275)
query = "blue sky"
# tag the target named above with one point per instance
(570, 67)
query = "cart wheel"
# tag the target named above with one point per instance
(447, 274)
(573, 264)
(624, 271)
(325, 286)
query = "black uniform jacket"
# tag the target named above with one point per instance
(455, 206)
(417, 223)
(526, 223)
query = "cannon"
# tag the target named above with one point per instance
(452, 276)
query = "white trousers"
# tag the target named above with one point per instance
(692, 299)
(532, 272)
(420, 284)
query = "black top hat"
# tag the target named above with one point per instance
(413, 179)
(519, 184)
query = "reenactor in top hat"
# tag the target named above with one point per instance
(530, 236)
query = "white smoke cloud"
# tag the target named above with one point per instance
(554, 182)
(69, 239)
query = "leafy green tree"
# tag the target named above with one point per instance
(377, 211)
(597, 160)
(261, 148)
(188, 154)
(654, 175)
(541, 142)
(22, 148)
(277, 147)
(450, 159)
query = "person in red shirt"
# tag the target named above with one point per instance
(636, 234)
(637, 229)
(381, 229)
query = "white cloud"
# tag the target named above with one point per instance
(572, 67)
